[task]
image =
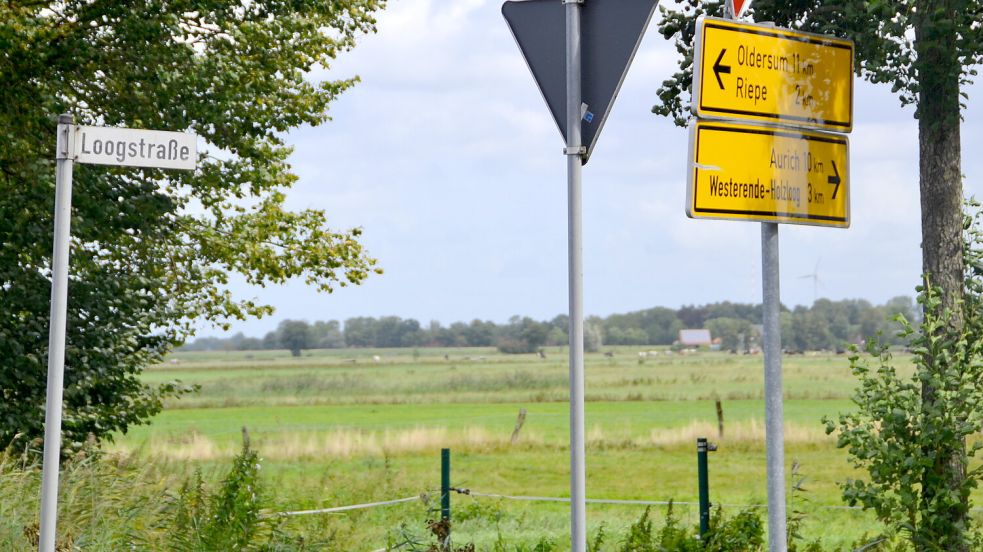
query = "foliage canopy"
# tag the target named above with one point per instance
(152, 251)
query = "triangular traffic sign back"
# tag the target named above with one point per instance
(610, 33)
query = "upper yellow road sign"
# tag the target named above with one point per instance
(768, 174)
(768, 74)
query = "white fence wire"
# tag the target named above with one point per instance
(338, 509)
(476, 494)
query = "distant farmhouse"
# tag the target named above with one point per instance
(695, 338)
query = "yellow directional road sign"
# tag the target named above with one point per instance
(768, 74)
(768, 174)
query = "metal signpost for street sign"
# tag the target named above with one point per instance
(768, 174)
(767, 74)
(748, 74)
(579, 52)
(103, 146)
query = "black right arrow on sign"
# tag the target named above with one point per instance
(835, 179)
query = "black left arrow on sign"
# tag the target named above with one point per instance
(835, 179)
(720, 68)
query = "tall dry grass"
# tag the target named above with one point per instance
(114, 502)
(105, 502)
(742, 433)
(337, 444)
(347, 443)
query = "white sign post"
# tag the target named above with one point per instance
(102, 146)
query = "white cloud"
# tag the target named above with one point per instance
(447, 156)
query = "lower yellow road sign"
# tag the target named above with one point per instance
(768, 174)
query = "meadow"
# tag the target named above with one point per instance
(351, 426)
(341, 427)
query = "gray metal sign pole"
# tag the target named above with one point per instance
(574, 152)
(774, 410)
(774, 415)
(56, 334)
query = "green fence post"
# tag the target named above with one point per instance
(701, 467)
(445, 484)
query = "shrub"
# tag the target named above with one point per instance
(742, 533)
(910, 433)
(230, 517)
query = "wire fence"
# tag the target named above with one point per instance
(442, 502)
(338, 509)
(624, 502)
(425, 498)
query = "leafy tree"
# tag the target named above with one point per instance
(327, 335)
(617, 335)
(560, 322)
(206, 344)
(593, 336)
(810, 330)
(481, 333)
(295, 336)
(438, 335)
(459, 332)
(153, 250)
(395, 332)
(658, 326)
(559, 329)
(692, 316)
(360, 332)
(614, 335)
(787, 329)
(557, 337)
(271, 340)
(730, 331)
(926, 50)
(826, 325)
(523, 335)
(239, 342)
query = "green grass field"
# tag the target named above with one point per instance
(346, 427)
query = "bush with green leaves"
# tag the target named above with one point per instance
(230, 517)
(741, 533)
(904, 427)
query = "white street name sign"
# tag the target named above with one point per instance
(129, 147)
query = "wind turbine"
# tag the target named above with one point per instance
(815, 280)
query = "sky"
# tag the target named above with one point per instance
(446, 156)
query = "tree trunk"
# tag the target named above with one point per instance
(940, 180)
(940, 164)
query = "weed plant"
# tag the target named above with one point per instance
(105, 502)
(111, 502)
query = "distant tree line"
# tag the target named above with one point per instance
(827, 324)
